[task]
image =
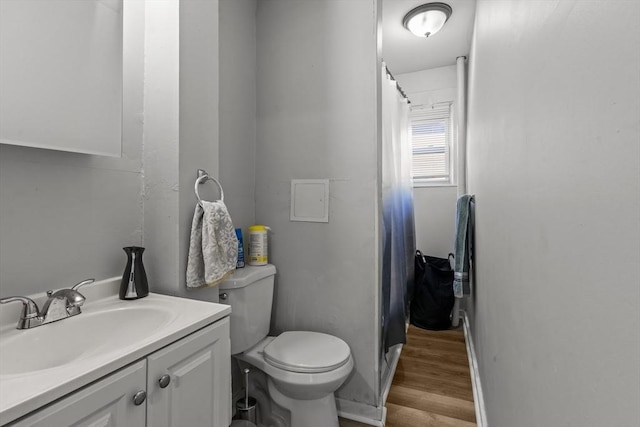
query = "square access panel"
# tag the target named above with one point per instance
(310, 200)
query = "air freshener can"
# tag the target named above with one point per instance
(240, 262)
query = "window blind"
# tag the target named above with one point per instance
(431, 144)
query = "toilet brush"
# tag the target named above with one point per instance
(246, 387)
(246, 408)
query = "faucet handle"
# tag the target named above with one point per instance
(74, 297)
(29, 312)
(80, 284)
(74, 301)
(29, 307)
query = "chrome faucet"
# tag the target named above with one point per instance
(59, 305)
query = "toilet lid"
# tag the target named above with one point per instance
(307, 352)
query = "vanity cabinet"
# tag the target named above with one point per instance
(187, 383)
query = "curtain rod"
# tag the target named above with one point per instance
(404, 95)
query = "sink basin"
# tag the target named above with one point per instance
(78, 337)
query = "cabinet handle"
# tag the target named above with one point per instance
(139, 397)
(164, 380)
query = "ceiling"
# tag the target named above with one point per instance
(404, 53)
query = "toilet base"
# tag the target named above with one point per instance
(307, 413)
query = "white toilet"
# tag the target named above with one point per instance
(303, 368)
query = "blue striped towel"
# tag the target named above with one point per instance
(462, 246)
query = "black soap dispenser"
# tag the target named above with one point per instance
(134, 280)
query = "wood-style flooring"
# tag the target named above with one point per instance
(432, 383)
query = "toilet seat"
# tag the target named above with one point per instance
(306, 352)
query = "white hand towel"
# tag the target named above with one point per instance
(213, 250)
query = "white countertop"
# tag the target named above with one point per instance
(23, 392)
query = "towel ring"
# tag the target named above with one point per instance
(204, 177)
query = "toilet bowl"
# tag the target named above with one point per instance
(304, 368)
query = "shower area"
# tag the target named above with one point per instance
(398, 228)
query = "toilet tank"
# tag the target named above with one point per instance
(249, 292)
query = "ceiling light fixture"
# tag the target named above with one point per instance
(428, 19)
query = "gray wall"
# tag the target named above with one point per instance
(64, 217)
(317, 118)
(238, 108)
(554, 161)
(181, 133)
(161, 145)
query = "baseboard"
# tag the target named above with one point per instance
(394, 356)
(362, 413)
(478, 397)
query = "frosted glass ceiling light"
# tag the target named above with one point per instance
(428, 19)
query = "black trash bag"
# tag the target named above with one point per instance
(433, 298)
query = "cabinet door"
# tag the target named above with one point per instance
(198, 393)
(106, 403)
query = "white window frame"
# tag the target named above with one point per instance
(419, 112)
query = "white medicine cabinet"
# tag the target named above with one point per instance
(61, 75)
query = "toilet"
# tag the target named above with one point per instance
(304, 368)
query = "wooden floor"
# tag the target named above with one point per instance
(432, 384)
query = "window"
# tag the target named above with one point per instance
(431, 143)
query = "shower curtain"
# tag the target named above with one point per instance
(398, 233)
